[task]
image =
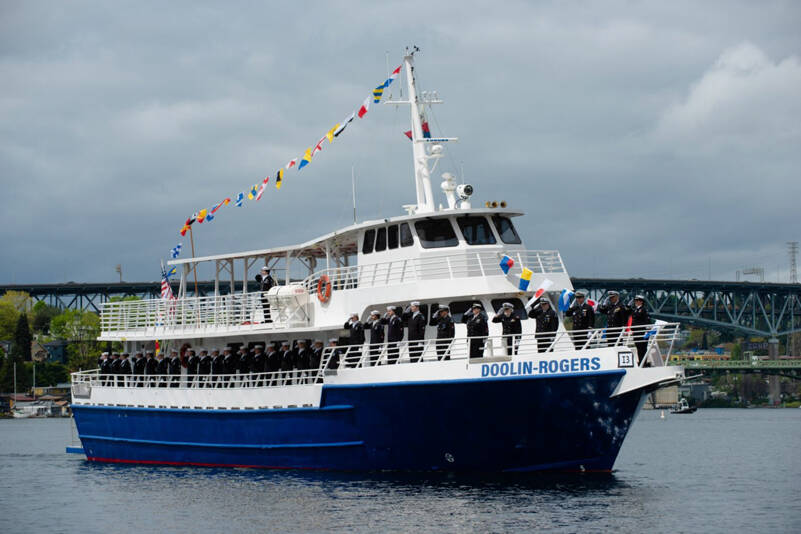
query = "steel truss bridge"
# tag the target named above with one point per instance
(747, 308)
(785, 368)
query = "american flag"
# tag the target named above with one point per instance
(166, 289)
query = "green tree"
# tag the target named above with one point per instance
(42, 315)
(8, 320)
(22, 338)
(79, 328)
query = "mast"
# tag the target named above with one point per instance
(422, 176)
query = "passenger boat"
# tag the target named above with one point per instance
(568, 408)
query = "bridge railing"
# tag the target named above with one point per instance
(736, 364)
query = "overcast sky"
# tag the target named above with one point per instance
(641, 139)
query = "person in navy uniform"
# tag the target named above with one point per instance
(303, 359)
(230, 362)
(583, 319)
(394, 333)
(316, 356)
(416, 325)
(174, 369)
(105, 368)
(617, 316)
(161, 369)
(243, 365)
(151, 367)
(376, 335)
(446, 331)
(204, 367)
(335, 353)
(356, 328)
(139, 369)
(191, 367)
(218, 366)
(258, 365)
(477, 330)
(511, 327)
(266, 282)
(547, 323)
(114, 367)
(640, 322)
(287, 361)
(273, 359)
(125, 370)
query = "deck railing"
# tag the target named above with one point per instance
(447, 267)
(241, 311)
(659, 341)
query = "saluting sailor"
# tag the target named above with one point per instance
(640, 322)
(266, 283)
(376, 335)
(617, 316)
(416, 324)
(394, 334)
(583, 319)
(446, 331)
(547, 324)
(511, 327)
(477, 330)
(356, 339)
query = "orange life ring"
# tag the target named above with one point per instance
(324, 288)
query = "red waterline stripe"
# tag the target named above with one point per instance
(196, 464)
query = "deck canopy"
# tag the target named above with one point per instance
(332, 250)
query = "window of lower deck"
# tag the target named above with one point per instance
(436, 233)
(506, 230)
(519, 310)
(476, 230)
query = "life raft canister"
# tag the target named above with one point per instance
(324, 288)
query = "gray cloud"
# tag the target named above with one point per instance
(642, 140)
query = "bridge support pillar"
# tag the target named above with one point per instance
(774, 388)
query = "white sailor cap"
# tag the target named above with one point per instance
(265, 268)
(204, 350)
(320, 341)
(415, 303)
(443, 308)
(259, 347)
(508, 306)
(213, 351)
(580, 294)
(227, 349)
(354, 314)
(390, 308)
(301, 342)
(285, 343)
(333, 340)
(173, 351)
(639, 297)
(105, 354)
(375, 312)
(613, 293)
(477, 305)
(544, 300)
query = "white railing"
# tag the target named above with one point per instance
(202, 314)
(199, 315)
(658, 341)
(448, 267)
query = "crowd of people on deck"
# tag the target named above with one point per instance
(299, 361)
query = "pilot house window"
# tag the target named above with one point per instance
(476, 230)
(406, 239)
(506, 230)
(381, 240)
(392, 236)
(436, 233)
(369, 240)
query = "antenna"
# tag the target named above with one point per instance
(792, 250)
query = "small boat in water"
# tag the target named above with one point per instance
(683, 407)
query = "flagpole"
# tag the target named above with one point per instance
(194, 265)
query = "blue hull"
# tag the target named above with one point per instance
(514, 424)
